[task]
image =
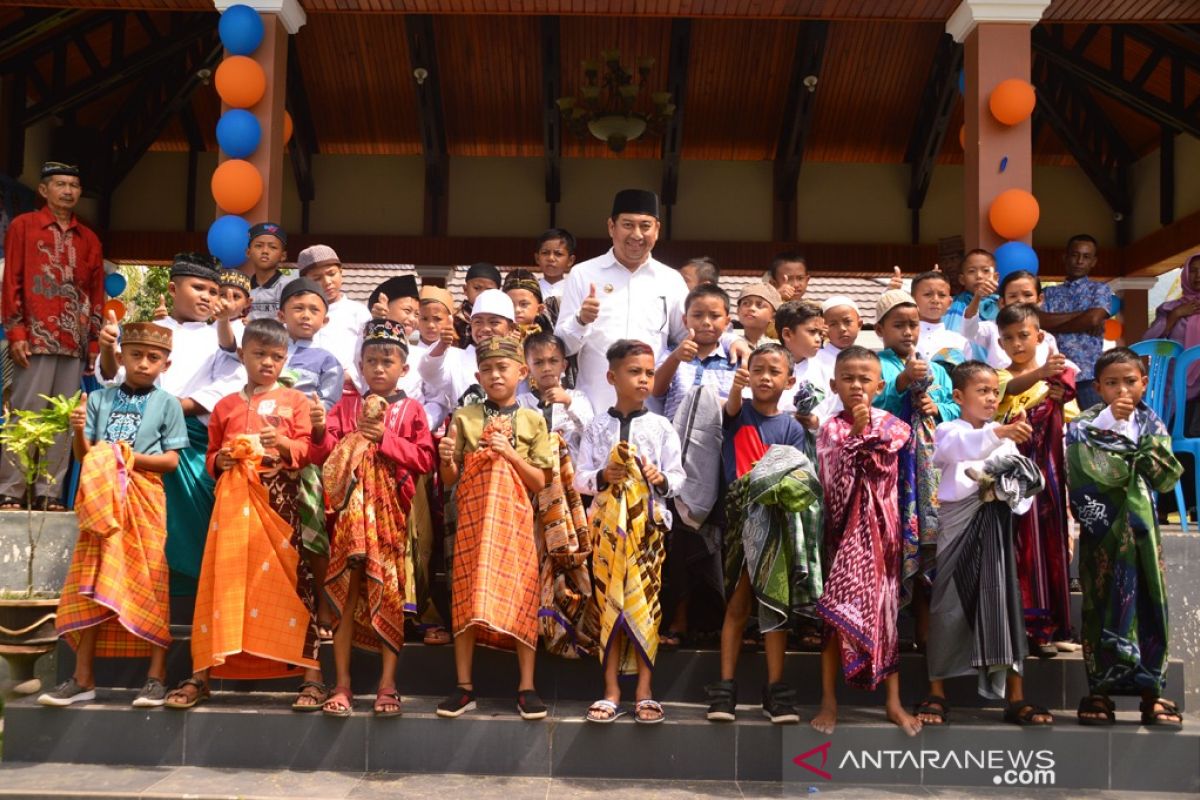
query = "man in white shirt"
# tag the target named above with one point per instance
(623, 294)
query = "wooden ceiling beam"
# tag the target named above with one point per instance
(1114, 83)
(672, 143)
(797, 119)
(34, 24)
(929, 128)
(422, 53)
(551, 39)
(14, 56)
(304, 133)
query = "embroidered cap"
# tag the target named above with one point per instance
(500, 347)
(146, 333)
(840, 300)
(316, 256)
(494, 301)
(437, 294)
(269, 229)
(764, 290)
(235, 278)
(51, 168)
(889, 300)
(523, 279)
(196, 265)
(384, 331)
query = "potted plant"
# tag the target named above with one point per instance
(26, 615)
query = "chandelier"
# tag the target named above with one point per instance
(607, 104)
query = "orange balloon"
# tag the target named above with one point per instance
(116, 307)
(287, 128)
(1014, 213)
(240, 81)
(1113, 330)
(962, 137)
(237, 186)
(1012, 101)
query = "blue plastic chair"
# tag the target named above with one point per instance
(1180, 441)
(1160, 352)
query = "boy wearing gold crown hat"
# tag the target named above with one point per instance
(114, 601)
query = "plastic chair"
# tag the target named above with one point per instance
(1160, 352)
(1180, 442)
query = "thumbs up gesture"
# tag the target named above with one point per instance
(78, 418)
(446, 446)
(589, 310)
(379, 310)
(687, 349)
(862, 419)
(160, 310)
(916, 369)
(109, 332)
(1019, 430)
(897, 281)
(1122, 407)
(316, 412)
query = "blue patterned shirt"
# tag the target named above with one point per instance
(1081, 294)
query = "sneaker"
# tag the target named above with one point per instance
(458, 703)
(779, 704)
(722, 697)
(530, 706)
(152, 695)
(67, 693)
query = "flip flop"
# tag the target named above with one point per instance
(339, 704)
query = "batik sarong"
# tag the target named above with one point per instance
(494, 572)
(976, 620)
(564, 548)
(189, 490)
(774, 533)
(628, 533)
(118, 575)
(1125, 628)
(251, 620)
(918, 488)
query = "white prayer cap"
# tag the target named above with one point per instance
(840, 300)
(494, 301)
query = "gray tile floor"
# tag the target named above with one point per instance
(195, 783)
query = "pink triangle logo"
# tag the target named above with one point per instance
(802, 760)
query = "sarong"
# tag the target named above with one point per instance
(564, 547)
(118, 575)
(917, 487)
(494, 572)
(774, 533)
(976, 622)
(189, 491)
(1041, 541)
(627, 531)
(370, 531)
(251, 621)
(1125, 631)
(311, 510)
(421, 532)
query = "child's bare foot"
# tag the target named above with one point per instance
(904, 720)
(826, 719)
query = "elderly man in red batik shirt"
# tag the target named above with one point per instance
(50, 307)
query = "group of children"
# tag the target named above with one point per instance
(295, 465)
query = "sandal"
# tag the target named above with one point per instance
(670, 639)
(1023, 712)
(604, 712)
(10, 503)
(933, 706)
(437, 636)
(1162, 713)
(652, 706)
(324, 632)
(48, 504)
(314, 690)
(385, 698)
(339, 704)
(188, 701)
(1097, 704)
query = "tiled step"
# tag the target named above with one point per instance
(240, 731)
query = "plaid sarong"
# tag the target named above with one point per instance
(250, 621)
(564, 547)
(494, 567)
(370, 531)
(628, 542)
(118, 578)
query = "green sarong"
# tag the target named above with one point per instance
(189, 491)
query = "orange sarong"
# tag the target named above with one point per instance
(371, 530)
(494, 566)
(118, 578)
(250, 621)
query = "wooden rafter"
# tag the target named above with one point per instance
(672, 145)
(422, 53)
(929, 129)
(551, 39)
(797, 119)
(304, 134)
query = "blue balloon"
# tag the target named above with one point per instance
(1013, 256)
(228, 238)
(238, 133)
(241, 30)
(1115, 307)
(114, 284)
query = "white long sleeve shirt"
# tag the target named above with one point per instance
(959, 446)
(342, 335)
(652, 434)
(571, 421)
(987, 335)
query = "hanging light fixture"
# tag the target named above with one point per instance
(607, 106)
